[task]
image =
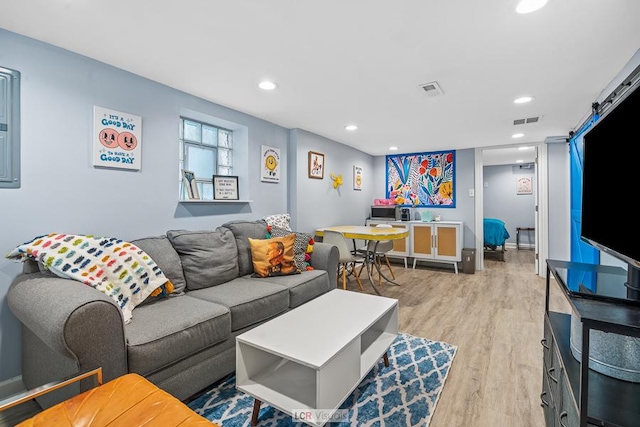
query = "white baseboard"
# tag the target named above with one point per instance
(11, 386)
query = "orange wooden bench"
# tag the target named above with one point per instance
(127, 401)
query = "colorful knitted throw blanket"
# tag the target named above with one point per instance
(116, 268)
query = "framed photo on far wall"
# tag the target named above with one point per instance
(190, 185)
(357, 177)
(524, 186)
(225, 187)
(316, 165)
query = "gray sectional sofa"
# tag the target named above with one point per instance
(182, 343)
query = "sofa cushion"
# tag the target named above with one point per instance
(273, 257)
(303, 287)
(166, 331)
(243, 230)
(250, 300)
(162, 252)
(208, 258)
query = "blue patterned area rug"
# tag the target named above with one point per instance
(404, 394)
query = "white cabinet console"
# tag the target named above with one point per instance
(437, 242)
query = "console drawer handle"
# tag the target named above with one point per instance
(555, 380)
(563, 415)
(544, 402)
(544, 343)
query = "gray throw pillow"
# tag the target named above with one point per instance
(208, 258)
(165, 256)
(243, 230)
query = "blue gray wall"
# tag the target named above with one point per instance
(315, 203)
(559, 201)
(62, 192)
(502, 202)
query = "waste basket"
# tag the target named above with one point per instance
(468, 260)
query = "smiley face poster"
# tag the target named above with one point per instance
(116, 139)
(270, 167)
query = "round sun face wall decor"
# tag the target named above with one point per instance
(270, 167)
(357, 178)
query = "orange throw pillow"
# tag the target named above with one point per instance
(273, 257)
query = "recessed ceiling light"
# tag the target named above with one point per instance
(393, 148)
(267, 85)
(517, 135)
(351, 127)
(528, 6)
(519, 161)
(524, 148)
(523, 100)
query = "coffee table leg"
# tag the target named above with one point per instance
(386, 360)
(256, 409)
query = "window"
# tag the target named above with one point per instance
(206, 150)
(9, 128)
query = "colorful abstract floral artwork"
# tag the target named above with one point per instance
(422, 179)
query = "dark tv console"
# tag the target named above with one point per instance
(572, 394)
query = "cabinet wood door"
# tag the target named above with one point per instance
(421, 241)
(447, 246)
(400, 246)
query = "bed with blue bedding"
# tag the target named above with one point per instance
(495, 236)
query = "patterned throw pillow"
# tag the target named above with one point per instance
(300, 245)
(279, 220)
(273, 257)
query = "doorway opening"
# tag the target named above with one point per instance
(509, 186)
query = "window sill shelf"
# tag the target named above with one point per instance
(215, 201)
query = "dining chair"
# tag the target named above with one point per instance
(348, 261)
(380, 251)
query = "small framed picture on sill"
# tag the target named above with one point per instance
(225, 187)
(190, 185)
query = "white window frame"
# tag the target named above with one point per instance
(217, 167)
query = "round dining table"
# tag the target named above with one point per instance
(365, 232)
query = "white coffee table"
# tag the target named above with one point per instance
(314, 356)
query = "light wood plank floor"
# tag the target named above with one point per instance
(494, 317)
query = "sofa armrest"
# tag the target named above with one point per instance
(326, 257)
(73, 325)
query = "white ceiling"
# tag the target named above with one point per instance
(361, 61)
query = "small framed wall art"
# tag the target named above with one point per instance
(225, 187)
(524, 186)
(316, 165)
(190, 184)
(357, 177)
(117, 139)
(270, 168)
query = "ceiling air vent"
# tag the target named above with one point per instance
(527, 120)
(432, 89)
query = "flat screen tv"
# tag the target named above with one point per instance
(611, 184)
